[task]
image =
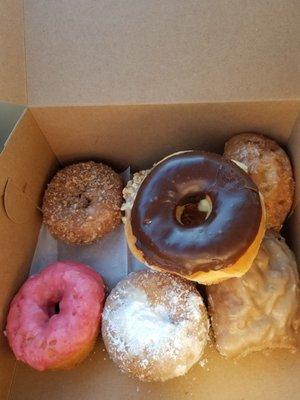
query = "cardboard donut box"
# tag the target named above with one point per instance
(128, 83)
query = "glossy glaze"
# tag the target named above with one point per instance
(212, 244)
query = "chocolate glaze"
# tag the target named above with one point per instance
(212, 244)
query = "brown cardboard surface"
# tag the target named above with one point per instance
(12, 52)
(161, 51)
(256, 377)
(26, 163)
(141, 135)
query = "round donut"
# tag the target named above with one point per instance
(195, 214)
(260, 310)
(54, 319)
(155, 326)
(82, 202)
(271, 170)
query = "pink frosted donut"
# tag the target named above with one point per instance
(54, 319)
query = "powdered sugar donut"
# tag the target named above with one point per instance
(155, 325)
(54, 319)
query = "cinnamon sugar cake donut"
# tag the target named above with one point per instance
(82, 202)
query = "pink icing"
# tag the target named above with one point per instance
(37, 335)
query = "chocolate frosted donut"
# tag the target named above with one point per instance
(82, 202)
(198, 215)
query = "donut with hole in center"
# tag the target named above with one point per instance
(195, 214)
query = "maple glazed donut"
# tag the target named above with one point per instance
(260, 310)
(195, 214)
(82, 202)
(54, 319)
(155, 325)
(270, 168)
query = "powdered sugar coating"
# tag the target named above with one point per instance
(155, 325)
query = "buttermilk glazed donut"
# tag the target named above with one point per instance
(195, 214)
(260, 310)
(54, 319)
(155, 325)
(271, 170)
(82, 202)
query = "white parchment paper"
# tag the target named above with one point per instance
(109, 256)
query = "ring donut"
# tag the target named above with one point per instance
(54, 319)
(82, 202)
(155, 325)
(199, 215)
(270, 168)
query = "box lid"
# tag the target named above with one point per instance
(167, 51)
(12, 52)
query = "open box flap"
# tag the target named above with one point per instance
(88, 52)
(26, 164)
(170, 51)
(12, 52)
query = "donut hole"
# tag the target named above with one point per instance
(193, 210)
(84, 200)
(54, 308)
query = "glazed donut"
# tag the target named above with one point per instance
(155, 325)
(54, 319)
(270, 168)
(260, 310)
(195, 214)
(82, 202)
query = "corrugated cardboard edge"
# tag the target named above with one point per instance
(13, 86)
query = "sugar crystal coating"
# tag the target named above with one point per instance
(82, 202)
